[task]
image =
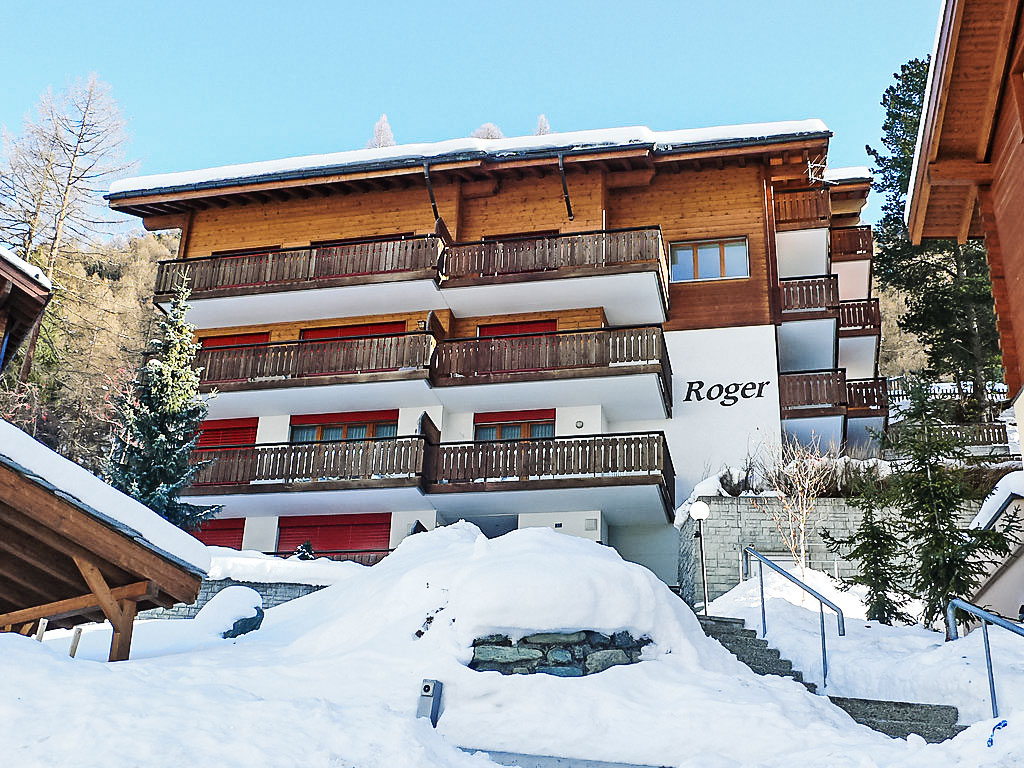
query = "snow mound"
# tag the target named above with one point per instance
(248, 565)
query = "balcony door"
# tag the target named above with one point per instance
(513, 444)
(338, 446)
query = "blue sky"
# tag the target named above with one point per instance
(213, 83)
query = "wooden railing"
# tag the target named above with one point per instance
(522, 255)
(851, 242)
(598, 456)
(992, 433)
(809, 293)
(813, 389)
(808, 207)
(471, 360)
(860, 314)
(369, 459)
(319, 357)
(302, 267)
(868, 394)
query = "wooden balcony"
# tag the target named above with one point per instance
(801, 209)
(370, 261)
(867, 398)
(990, 435)
(316, 362)
(564, 355)
(813, 393)
(851, 243)
(566, 255)
(860, 318)
(809, 297)
(387, 462)
(556, 462)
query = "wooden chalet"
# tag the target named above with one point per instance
(68, 556)
(24, 294)
(567, 330)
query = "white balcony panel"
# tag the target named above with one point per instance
(632, 298)
(365, 396)
(854, 279)
(312, 502)
(857, 355)
(315, 304)
(825, 432)
(620, 397)
(620, 505)
(802, 252)
(807, 345)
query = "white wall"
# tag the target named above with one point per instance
(586, 525)
(273, 429)
(802, 252)
(409, 418)
(704, 436)
(654, 547)
(591, 416)
(403, 522)
(807, 345)
(457, 426)
(260, 534)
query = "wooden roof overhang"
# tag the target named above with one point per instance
(632, 165)
(68, 563)
(22, 301)
(978, 45)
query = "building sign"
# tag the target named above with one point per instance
(724, 394)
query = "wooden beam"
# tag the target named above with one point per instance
(77, 606)
(485, 188)
(950, 173)
(121, 642)
(967, 215)
(627, 179)
(100, 589)
(27, 577)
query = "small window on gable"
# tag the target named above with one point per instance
(710, 260)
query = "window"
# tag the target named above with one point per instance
(710, 260)
(514, 425)
(326, 427)
(512, 329)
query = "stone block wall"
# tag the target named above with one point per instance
(563, 654)
(273, 593)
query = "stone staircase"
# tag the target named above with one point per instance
(934, 722)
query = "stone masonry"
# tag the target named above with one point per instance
(273, 594)
(738, 522)
(563, 654)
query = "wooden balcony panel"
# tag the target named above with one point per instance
(577, 253)
(971, 435)
(567, 354)
(297, 269)
(818, 296)
(867, 397)
(337, 465)
(860, 318)
(315, 362)
(813, 394)
(802, 209)
(556, 462)
(851, 243)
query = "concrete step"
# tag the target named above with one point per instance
(940, 714)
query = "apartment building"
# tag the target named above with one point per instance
(567, 330)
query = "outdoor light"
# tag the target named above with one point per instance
(579, 425)
(700, 511)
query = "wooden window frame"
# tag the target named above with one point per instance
(372, 420)
(694, 246)
(520, 419)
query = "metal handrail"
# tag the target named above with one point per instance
(762, 561)
(986, 619)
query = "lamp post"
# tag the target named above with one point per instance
(700, 511)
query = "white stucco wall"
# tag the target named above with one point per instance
(591, 416)
(402, 523)
(654, 547)
(570, 523)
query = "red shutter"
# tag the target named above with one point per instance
(505, 417)
(508, 329)
(226, 532)
(348, 331)
(238, 338)
(220, 432)
(335, 532)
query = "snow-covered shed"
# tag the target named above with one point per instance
(73, 549)
(24, 293)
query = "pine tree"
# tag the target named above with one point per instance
(543, 126)
(382, 136)
(946, 284)
(929, 489)
(157, 417)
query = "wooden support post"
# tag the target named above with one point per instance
(41, 629)
(76, 638)
(121, 643)
(120, 613)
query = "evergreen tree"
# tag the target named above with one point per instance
(382, 136)
(157, 417)
(488, 131)
(929, 489)
(543, 126)
(304, 551)
(946, 284)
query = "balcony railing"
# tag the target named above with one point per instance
(599, 457)
(367, 461)
(809, 293)
(802, 209)
(211, 276)
(508, 257)
(610, 350)
(851, 243)
(868, 395)
(813, 389)
(860, 315)
(289, 360)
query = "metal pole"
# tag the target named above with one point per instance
(760, 575)
(703, 564)
(988, 665)
(824, 657)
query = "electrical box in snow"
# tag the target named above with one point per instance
(430, 700)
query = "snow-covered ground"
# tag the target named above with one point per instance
(226, 563)
(332, 679)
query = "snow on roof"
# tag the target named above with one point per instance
(851, 173)
(31, 271)
(80, 487)
(1008, 488)
(248, 565)
(468, 148)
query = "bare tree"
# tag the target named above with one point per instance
(488, 131)
(543, 126)
(382, 136)
(799, 473)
